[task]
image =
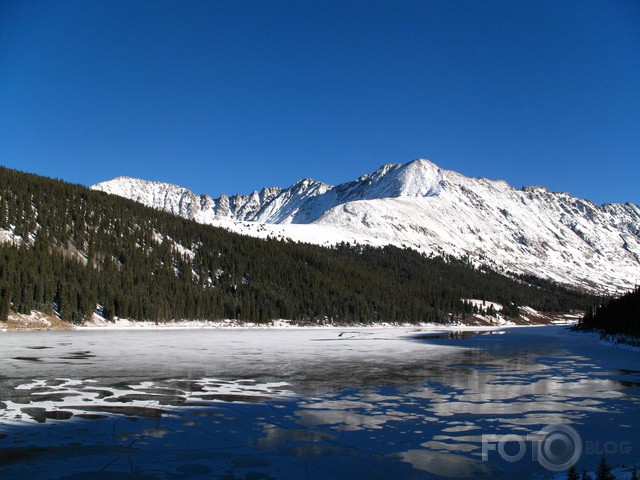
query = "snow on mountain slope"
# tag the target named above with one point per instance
(163, 196)
(418, 205)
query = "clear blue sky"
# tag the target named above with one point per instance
(232, 95)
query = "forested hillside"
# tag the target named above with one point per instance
(71, 251)
(618, 316)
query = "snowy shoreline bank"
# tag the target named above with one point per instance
(43, 321)
(123, 324)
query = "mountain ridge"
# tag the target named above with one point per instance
(531, 230)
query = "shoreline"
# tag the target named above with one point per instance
(275, 325)
(40, 321)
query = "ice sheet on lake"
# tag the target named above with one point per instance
(294, 403)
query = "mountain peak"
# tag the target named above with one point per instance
(307, 183)
(419, 178)
(423, 163)
(132, 182)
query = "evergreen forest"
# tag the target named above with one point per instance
(618, 316)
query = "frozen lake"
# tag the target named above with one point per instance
(304, 403)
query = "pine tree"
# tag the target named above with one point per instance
(604, 470)
(511, 310)
(585, 476)
(572, 473)
(634, 473)
(5, 300)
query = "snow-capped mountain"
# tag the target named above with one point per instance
(419, 205)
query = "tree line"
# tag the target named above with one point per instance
(618, 316)
(603, 472)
